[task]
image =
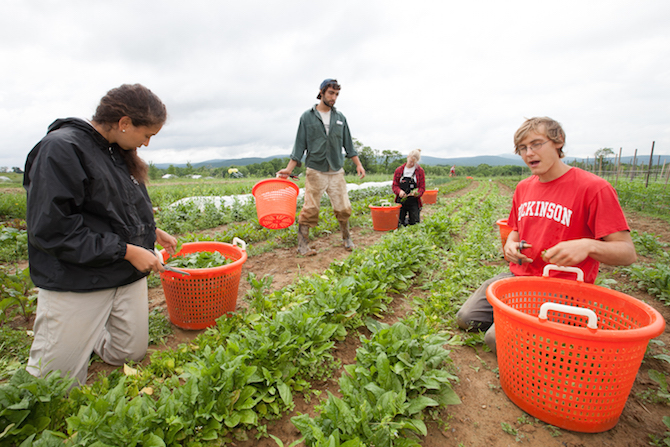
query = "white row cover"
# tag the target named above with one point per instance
(242, 199)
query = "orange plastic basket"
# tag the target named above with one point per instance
(196, 301)
(385, 217)
(556, 368)
(505, 230)
(429, 197)
(276, 200)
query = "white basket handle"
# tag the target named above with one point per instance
(591, 315)
(577, 270)
(385, 203)
(239, 242)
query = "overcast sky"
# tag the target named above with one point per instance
(451, 78)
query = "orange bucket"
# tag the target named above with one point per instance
(196, 301)
(505, 230)
(385, 217)
(429, 197)
(276, 200)
(568, 352)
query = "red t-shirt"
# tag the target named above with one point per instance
(574, 206)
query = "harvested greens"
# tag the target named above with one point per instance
(199, 260)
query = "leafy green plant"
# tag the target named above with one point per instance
(13, 244)
(30, 405)
(649, 199)
(115, 419)
(17, 293)
(662, 393)
(153, 280)
(280, 443)
(14, 350)
(553, 431)
(654, 279)
(12, 205)
(665, 442)
(396, 377)
(258, 295)
(475, 339)
(159, 326)
(647, 244)
(199, 260)
(507, 428)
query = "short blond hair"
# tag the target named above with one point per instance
(543, 125)
(415, 154)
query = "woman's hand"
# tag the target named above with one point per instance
(143, 259)
(165, 240)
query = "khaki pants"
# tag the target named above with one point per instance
(316, 183)
(477, 313)
(69, 326)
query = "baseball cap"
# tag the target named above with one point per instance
(326, 83)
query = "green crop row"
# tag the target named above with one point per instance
(398, 375)
(653, 199)
(229, 379)
(401, 375)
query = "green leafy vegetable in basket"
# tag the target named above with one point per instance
(199, 260)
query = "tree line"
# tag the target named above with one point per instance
(373, 160)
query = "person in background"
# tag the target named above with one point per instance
(560, 215)
(91, 234)
(409, 184)
(452, 171)
(322, 133)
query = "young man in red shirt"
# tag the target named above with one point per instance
(565, 216)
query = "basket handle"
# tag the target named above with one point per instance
(239, 242)
(385, 203)
(591, 315)
(576, 270)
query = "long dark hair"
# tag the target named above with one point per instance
(143, 108)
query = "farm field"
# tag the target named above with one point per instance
(412, 280)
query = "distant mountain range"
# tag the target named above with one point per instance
(491, 160)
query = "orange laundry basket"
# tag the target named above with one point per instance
(568, 352)
(429, 197)
(385, 217)
(276, 200)
(196, 301)
(505, 230)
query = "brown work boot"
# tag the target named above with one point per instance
(303, 241)
(346, 236)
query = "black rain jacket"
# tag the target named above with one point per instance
(83, 208)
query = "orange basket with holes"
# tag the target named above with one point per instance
(195, 301)
(429, 197)
(505, 230)
(385, 217)
(276, 201)
(568, 352)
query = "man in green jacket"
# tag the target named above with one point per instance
(323, 133)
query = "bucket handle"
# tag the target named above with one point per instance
(576, 270)
(591, 315)
(239, 242)
(385, 203)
